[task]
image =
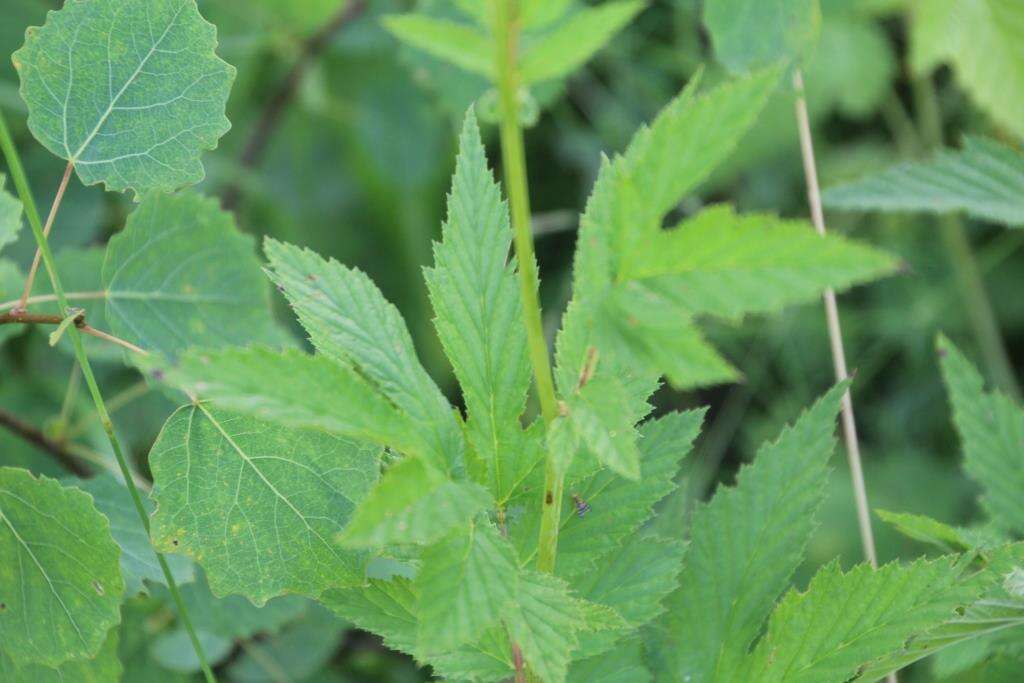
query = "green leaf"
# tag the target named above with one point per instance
(295, 389)
(138, 561)
(464, 45)
(349, 321)
(746, 543)
(10, 215)
(300, 650)
(947, 538)
(464, 583)
(60, 583)
(565, 47)
(256, 504)
(12, 282)
(991, 428)
(476, 299)
(129, 91)
(181, 275)
(748, 34)
(543, 621)
(626, 663)
(600, 415)
(414, 503)
(387, 608)
(985, 179)
(845, 620)
(981, 39)
(103, 668)
(174, 651)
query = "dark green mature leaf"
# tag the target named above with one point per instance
(991, 428)
(845, 620)
(181, 275)
(543, 621)
(103, 668)
(295, 389)
(561, 49)
(748, 34)
(60, 583)
(984, 179)
(414, 503)
(129, 91)
(479, 315)
(299, 650)
(464, 583)
(746, 543)
(349, 321)
(139, 565)
(10, 215)
(259, 506)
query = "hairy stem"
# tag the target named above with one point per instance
(835, 331)
(21, 183)
(46, 231)
(514, 165)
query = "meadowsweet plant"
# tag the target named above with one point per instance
(300, 488)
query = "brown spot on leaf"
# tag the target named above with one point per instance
(174, 542)
(549, 498)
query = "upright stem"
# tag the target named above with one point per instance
(46, 232)
(21, 183)
(835, 332)
(514, 163)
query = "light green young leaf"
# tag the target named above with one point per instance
(301, 649)
(844, 621)
(982, 41)
(60, 579)
(181, 275)
(949, 539)
(601, 418)
(543, 621)
(479, 319)
(748, 34)
(464, 45)
(105, 667)
(991, 428)
(414, 503)
(139, 565)
(350, 321)
(985, 179)
(464, 582)
(10, 215)
(129, 91)
(295, 389)
(746, 543)
(258, 505)
(568, 45)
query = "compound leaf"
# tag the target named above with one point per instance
(991, 428)
(387, 608)
(181, 275)
(129, 91)
(543, 621)
(985, 179)
(60, 582)
(746, 543)
(258, 505)
(599, 414)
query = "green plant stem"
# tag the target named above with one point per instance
(24, 192)
(514, 164)
(984, 324)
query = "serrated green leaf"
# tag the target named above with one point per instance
(60, 581)
(748, 34)
(300, 650)
(103, 668)
(626, 663)
(256, 504)
(985, 179)
(543, 621)
(845, 620)
(350, 321)
(600, 415)
(746, 543)
(991, 428)
(462, 44)
(948, 538)
(387, 608)
(139, 565)
(129, 91)
(464, 583)
(10, 215)
(295, 389)
(413, 503)
(181, 275)
(982, 41)
(479, 319)
(568, 45)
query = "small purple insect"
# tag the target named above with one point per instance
(582, 506)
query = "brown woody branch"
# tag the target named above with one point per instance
(34, 435)
(15, 317)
